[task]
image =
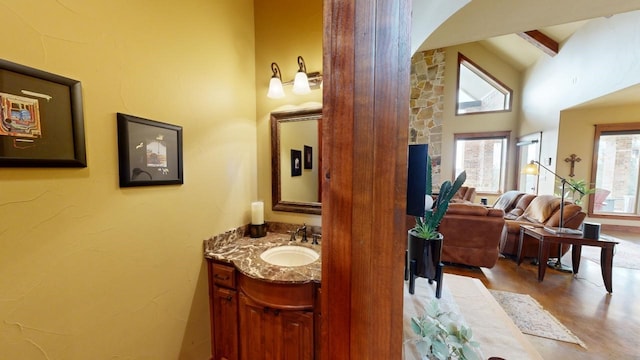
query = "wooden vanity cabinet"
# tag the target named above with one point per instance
(255, 319)
(276, 320)
(269, 333)
(223, 303)
(225, 317)
(319, 333)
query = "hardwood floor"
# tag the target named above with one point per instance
(609, 324)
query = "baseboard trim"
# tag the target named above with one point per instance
(625, 228)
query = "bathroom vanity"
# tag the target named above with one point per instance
(260, 309)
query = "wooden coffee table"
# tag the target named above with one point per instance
(545, 238)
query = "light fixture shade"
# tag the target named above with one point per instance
(275, 85)
(531, 169)
(275, 89)
(301, 83)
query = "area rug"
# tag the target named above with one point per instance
(532, 319)
(626, 253)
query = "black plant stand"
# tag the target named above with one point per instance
(423, 259)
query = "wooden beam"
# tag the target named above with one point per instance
(541, 41)
(366, 87)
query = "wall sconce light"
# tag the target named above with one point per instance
(302, 83)
(275, 85)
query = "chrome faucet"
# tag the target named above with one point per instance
(304, 232)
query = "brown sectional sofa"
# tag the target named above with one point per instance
(476, 235)
(536, 210)
(465, 195)
(472, 234)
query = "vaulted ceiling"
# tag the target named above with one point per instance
(520, 53)
(484, 19)
(495, 24)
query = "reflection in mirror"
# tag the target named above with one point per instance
(296, 161)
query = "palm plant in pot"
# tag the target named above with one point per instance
(424, 240)
(581, 188)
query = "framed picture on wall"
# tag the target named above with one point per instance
(296, 162)
(308, 157)
(149, 152)
(41, 119)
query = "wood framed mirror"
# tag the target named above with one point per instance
(296, 160)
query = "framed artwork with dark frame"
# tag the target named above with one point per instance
(149, 152)
(41, 119)
(296, 162)
(308, 157)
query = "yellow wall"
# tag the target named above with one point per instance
(577, 131)
(598, 59)
(284, 32)
(497, 121)
(92, 271)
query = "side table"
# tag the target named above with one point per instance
(546, 238)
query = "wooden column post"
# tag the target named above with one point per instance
(365, 126)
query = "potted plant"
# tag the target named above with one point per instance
(578, 188)
(427, 225)
(424, 240)
(442, 336)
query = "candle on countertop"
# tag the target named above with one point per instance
(257, 213)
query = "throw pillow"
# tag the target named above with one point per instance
(541, 208)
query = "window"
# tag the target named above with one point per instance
(478, 91)
(617, 170)
(484, 157)
(528, 149)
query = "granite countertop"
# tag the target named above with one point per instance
(244, 254)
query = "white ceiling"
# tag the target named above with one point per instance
(626, 96)
(484, 19)
(519, 53)
(494, 24)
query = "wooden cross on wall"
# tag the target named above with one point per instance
(573, 159)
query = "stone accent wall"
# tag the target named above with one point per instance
(427, 104)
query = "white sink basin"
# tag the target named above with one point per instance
(288, 255)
